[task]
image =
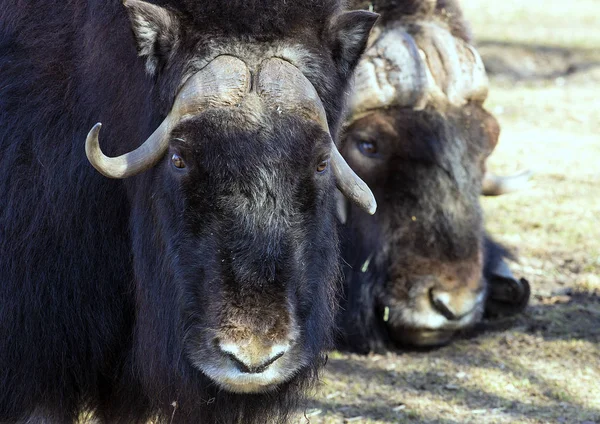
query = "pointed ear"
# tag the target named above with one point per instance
(349, 34)
(156, 29)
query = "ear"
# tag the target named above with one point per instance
(491, 129)
(156, 29)
(349, 33)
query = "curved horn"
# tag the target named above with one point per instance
(456, 67)
(223, 82)
(289, 89)
(391, 72)
(350, 184)
(495, 185)
(412, 64)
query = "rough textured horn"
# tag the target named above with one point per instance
(288, 89)
(495, 185)
(456, 66)
(415, 64)
(390, 73)
(223, 82)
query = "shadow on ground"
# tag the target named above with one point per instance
(569, 316)
(531, 62)
(482, 373)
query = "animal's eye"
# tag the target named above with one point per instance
(367, 148)
(177, 161)
(322, 166)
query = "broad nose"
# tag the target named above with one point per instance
(253, 357)
(453, 305)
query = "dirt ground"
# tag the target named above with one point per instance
(544, 366)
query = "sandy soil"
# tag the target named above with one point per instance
(543, 366)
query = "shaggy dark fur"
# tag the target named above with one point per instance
(425, 169)
(109, 289)
(426, 176)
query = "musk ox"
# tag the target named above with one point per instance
(197, 284)
(421, 269)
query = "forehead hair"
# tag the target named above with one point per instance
(230, 143)
(257, 18)
(456, 137)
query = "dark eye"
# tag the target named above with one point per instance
(322, 166)
(367, 148)
(177, 161)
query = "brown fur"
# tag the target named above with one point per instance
(427, 235)
(415, 272)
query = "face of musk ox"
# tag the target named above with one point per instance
(416, 266)
(234, 239)
(419, 137)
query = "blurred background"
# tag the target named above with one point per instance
(543, 59)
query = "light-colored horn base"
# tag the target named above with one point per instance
(224, 83)
(288, 89)
(415, 63)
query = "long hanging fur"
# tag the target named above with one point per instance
(90, 295)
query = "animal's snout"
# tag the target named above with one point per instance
(453, 305)
(254, 348)
(253, 356)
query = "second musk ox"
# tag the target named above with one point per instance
(198, 283)
(422, 268)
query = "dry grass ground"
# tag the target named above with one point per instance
(544, 366)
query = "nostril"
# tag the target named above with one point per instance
(260, 368)
(441, 302)
(239, 364)
(252, 365)
(252, 369)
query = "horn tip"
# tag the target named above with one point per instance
(366, 200)
(92, 137)
(371, 206)
(528, 173)
(92, 145)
